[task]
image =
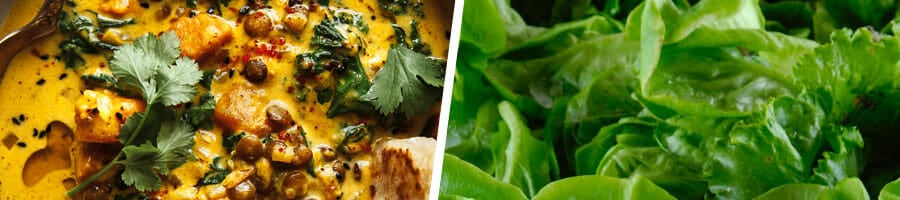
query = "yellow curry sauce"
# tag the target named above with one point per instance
(39, 94)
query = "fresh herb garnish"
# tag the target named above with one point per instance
(353, 134)
(232, 140)
(200, 115)
(327, 35)
(82, 32)
(105, 22)
(154, 141)
(409, 83)
(101, 80)
(218, 171)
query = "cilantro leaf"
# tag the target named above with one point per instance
(176, 85)
(137, 65)
(407, 81)
(152, 66)
(200, 115)
(156, 115)
(174, 143)
(139, 163)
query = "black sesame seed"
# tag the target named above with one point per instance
(192, 14)
(119, 116)
(44, 57)
(41, 82)
(210, 11)
(21, 144)
(34, 132)
(231, 73)
(42, 134)
(22, 117)
(244, 10)
(63, 76)
(48, 128)
(16, 121)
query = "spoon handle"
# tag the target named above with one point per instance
(42, 25)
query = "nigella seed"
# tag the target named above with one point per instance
(21, 144)
(244, 10)
(63, 76)
(41, 81)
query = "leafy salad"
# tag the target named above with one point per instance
(675, 99)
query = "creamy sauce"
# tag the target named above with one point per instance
(42, 90)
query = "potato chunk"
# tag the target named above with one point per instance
(116, 7)
(241, 109)
(403, 168)
(89, 158)
(202, 34)
(100, 114)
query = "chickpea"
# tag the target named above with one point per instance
(258, 24)
(255, 71)
(279, 118)
(249, 148)
(295, 185)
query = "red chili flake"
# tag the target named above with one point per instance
(279, 41)
(284, 136)
(280, 149)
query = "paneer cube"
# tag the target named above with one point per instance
(202, 34)
(100, 114)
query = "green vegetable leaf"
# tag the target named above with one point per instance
(139, 163)
(175, 84)
(891, 191)
(522, 160)
(851, 188)
(587, 187)
(174, 142)
(466, 180)
(149, 65)
(145, 65)
(408, 83)
(201, 115)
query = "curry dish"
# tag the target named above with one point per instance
(225, 99)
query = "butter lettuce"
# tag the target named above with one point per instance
(684, 99)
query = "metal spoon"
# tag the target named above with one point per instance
(42, 25)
